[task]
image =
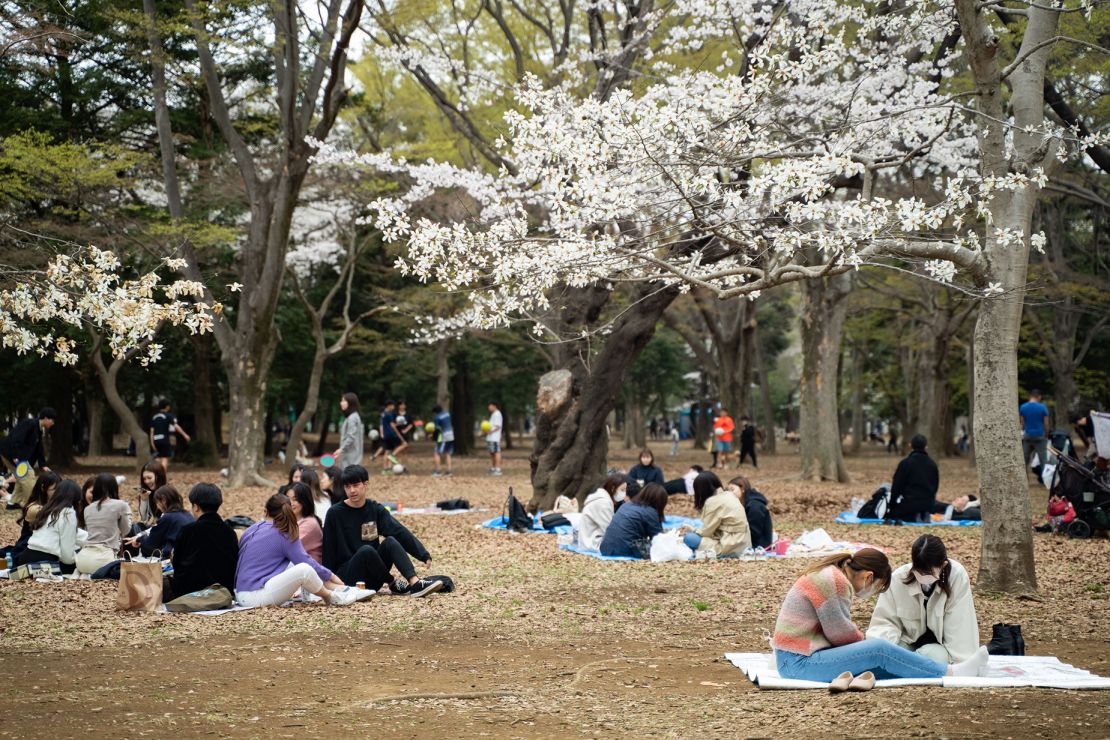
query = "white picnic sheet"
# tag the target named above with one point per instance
(1003, 671)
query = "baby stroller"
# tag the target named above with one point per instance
(1088, 490)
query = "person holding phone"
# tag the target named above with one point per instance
(363, 542)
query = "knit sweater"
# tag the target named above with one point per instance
(816, 614)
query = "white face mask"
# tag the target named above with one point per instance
(924, 580)
(619, 495)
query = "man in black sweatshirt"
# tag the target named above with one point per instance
(24, 444)
(363, 542)
(206, 551)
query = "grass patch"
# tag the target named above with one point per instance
(701, 606)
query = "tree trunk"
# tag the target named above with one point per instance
(108, 375)
(325, 427)
(857, 400)
(61, 436)
(768, 408)
(824, 309)
(248, 423)
(311, 403)
(633, 425)
(571, 447)
(1006, 562)
(205, 444)
(443, 374)
(506, 434)
(95, 405)
(462, 405)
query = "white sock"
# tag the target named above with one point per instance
(973, 665)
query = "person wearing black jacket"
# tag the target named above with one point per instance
(755, 507)
(913, 492)
(24, 444)
(363, 542)
(206, 551)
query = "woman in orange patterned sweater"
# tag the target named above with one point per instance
(816, 640)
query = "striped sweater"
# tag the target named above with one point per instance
(816, 614)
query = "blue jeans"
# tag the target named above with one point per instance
(884, 659)
(692, 540)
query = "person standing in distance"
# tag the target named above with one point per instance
(163, 425)
(350, 434)
(444, 439)
(723, 427)
(390, 435)
(493, 438)
(747, 442)
(1033, 417)
(24, 444)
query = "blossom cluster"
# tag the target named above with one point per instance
(87, 289)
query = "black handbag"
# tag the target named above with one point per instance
(515, 517)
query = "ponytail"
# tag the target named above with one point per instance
(278, 509)
(867, 559)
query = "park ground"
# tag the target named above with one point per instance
(535, 642)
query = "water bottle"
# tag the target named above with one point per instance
(9, 563)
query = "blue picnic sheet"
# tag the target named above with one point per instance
(847, 517)
(594, 553)
(669, 522)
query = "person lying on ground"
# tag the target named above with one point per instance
(308, 524)
(363, 542)
(597, 512)
(321, 501)
(685, 484)
(107, 521)
(913, 492)
(724, 529)
(44, 487)
(635, 523)
(273, 564)
(646, 471)
(54, 530)
(962, 509)
(170, 509)
(816, 640)
(928, 607)
(207, 551)
(755, 508)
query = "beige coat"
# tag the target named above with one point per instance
(724, 525)
(901, 615)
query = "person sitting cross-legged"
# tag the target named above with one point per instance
(363, 542)
(207, 550)
(913, 492)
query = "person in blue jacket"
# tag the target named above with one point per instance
(635, 523)
(172, 518)
(646, 471)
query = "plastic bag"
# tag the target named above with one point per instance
(669, 546)
(815, 539)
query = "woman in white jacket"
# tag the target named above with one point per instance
(55, 537)
(598, 511)
(928, 607)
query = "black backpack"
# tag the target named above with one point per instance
(516, 518)
(878, 506)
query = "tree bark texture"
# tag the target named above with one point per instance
(205, 435)
(767, 408)
(1006, 562)
(462, 405)
(571, 447)
(823, 311)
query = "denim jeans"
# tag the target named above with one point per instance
(884, 659)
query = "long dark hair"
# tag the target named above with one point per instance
(706, 484)
(336, 492)
(352, 403)
(294, 469)
(312, 480)
(105, 486)
(66, 496)
(304, 497)
(868, 559)
(285, 521)
(159, 474)
(612, 483)
(40, 493)
(165, 500)
(653, 496)
(928, 552)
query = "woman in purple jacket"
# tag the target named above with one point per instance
(273, 563)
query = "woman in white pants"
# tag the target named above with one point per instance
(273, 564)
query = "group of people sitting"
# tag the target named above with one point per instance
(735, 517)
(321, 534)
(923, 625)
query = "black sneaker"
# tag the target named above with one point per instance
(399, 587)
(424, 586)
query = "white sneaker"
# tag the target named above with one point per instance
(343, 597)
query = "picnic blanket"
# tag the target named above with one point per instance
(669, 522)
(1003, 671)
(434, 510)
(847, 517)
